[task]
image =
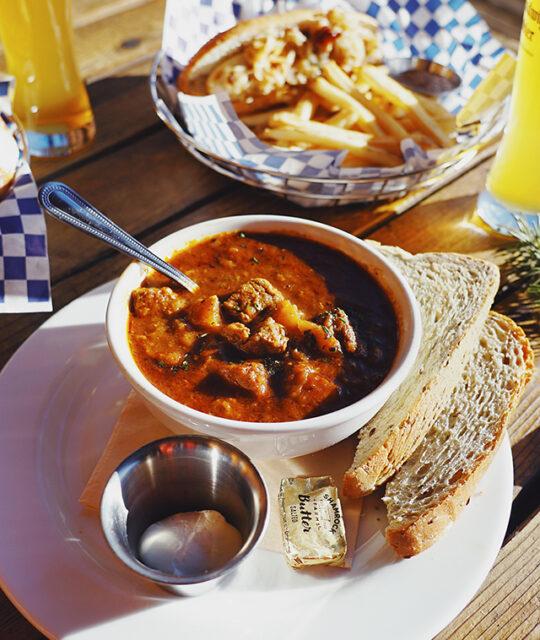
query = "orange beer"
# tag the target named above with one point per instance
(514, 177)
(50, 97)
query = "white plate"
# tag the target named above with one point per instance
(60, 396)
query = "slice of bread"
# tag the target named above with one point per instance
(455, 293)
(431, 489)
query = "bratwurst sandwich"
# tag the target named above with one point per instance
(266, 61)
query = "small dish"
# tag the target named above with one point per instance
(170, 477)
(423, 76)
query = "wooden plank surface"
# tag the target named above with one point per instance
(134, 194)
(94, 11)
(508, 604)
(112, 36)
(123, 111)
(131, 36)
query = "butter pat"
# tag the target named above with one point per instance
(312, 522)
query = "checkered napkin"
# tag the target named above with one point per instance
(449, 32)
(24, 264)
(493, 89)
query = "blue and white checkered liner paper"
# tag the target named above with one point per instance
(449, 32)
(24, 263)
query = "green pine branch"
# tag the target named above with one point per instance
(522, 260)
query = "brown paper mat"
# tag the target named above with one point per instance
(136, 427)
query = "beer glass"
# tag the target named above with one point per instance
(513, 183)
(50, 98)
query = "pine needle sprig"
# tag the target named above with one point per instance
(522, 259)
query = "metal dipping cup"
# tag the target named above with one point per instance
(181, 474)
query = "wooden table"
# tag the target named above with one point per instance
(138, 173)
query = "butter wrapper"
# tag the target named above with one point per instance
(312, 522)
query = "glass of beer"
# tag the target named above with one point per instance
(50, 98)
(513, 181)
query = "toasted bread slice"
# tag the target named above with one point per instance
(431, 489)
(455, 293)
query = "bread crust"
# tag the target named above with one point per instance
(417, 536)
(414, 536)
(365, 475)
(228, 42)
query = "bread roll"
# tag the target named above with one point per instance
(266, 60)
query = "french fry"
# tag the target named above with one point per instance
(402, 97)
(390, 124)
(311, 130)
(445, 119)
(337, 96)
(284, 98)
(259, 118)
(335, 74)
(327, 136)
(389, 143)
(434, 108)
(305, 108)
(423, 141)
(343, 119)
(367, 115)
(352, 160)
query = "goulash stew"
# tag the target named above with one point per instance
(282, 328)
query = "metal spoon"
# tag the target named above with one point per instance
(66, 205)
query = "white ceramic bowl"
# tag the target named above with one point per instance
(270, 439)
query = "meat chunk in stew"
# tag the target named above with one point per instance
(337, 323)
(251, 299)
(236, 333)
(147, 301)
(250, 376)
(302, 379)
(269, 338)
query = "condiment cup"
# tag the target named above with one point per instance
(183, 474)
(265, 440)
(423, 76)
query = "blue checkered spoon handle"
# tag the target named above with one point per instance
(66, 205)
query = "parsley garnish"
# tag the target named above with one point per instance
(182, 366)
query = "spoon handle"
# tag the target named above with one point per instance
(66, 205)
